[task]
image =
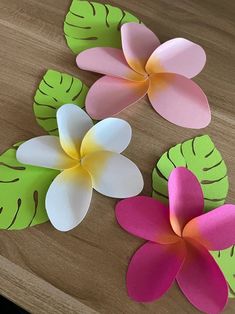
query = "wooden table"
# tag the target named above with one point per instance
(83, 271)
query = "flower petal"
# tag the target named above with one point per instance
(110, 95)
(73, 124)
(138, 43)
(110, 134)
(215, 229)
(152, 270)
(146, 218)
(108, 61)
(178, 55)
(113, 174)
(179, 100)
(185, 198)
(44, 151)
(202, 281)
(68, 198)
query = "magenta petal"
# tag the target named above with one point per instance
(109, 95)
(202, 281)
(153, 269)
(146, 218)
(179, 100)
(215, 229)
(185, 198)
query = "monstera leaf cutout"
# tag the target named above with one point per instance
(90, 24)
(55, 90)
(22, 192)
(201, 157)
(226, 260)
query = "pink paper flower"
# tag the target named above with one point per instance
(179, 240)
(143, 66)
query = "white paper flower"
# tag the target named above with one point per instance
(88, 157)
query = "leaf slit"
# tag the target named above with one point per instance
(232, 251)
(214, 199)
(92, 6)
(17, 211)
(71, 84)
(120, 22)
(213, 181)
(193, 147)
(182, 153)
(79, 93)
(44, 105)
(75, 14)
(35, 199)
(42, 91)
(168, 156)
(47, 83)
(77, 26)
(160, 173)
(231, 291)
(12, 167)
(160, 194)
(210, 153)
(53, 130)
(107, 13)
(45, 118)
(10, 181)
(214, 166)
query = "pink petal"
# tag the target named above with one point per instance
(179, 56)
(110, 95)
(215, 229)
(146, 218)
(179, 100)
(185, 198)
(152, 270)
(108, 61)
(138, 43)
(202, 281)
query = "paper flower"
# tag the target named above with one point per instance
(88, 157)
(143, 66)
(180, 238)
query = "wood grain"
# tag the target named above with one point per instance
(83, 271)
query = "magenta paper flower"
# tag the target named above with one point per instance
(143, 66)
(179, 240)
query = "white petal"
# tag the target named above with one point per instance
(113, 174)
(73, 123)
(68, 198)
(44, 151)
(111, 134)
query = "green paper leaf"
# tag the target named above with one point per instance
(226, 261)
(22, 192)
(55, 90)
(90, 24)
(201, 157)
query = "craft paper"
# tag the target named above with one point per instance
(144, 66)
(90, 24)
(88, 157)
(226, 261)
(180, 237)
(22, 192)
(55, 90)
(201, 157)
